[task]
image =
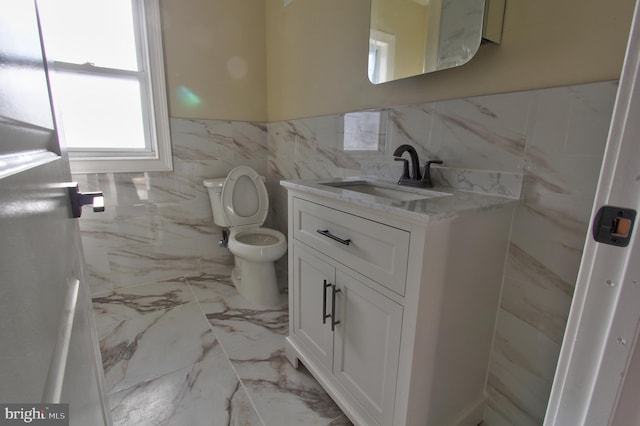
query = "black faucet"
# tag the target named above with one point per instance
(417, 178)
(415, 163)
(426, 178)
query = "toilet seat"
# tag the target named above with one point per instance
(253, 211)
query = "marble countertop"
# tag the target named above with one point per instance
(454, 203)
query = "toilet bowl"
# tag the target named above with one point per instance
(240, 202)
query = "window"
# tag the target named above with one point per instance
(107, 82)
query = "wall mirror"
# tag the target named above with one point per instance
(412, 37)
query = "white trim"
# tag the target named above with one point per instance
(158, 85)
(58, 365)
(386, 44)
(604, 315)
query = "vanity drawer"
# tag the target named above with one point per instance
(373, 249)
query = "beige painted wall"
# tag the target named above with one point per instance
(314, 59)
(215, 58)
(317, 54)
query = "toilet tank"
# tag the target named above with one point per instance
(214, 187)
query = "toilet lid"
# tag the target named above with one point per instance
(244, 198)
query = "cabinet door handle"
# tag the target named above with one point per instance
(324, 302)
(334, 291)
(326, 233)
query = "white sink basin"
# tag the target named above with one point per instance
(395, 193)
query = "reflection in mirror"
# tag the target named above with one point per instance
(412, 37)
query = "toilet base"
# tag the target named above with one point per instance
(256, 282)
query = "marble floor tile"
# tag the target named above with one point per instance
(241, 326)
(192, 351)
(131, 302)
(282, 394)
(205, 393)
(134, 329)
(253, 339)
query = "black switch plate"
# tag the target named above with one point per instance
(613, 225)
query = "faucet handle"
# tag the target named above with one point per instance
(426, 178)
(405, 170)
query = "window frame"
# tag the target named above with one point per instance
(381, 62)
(157, 155)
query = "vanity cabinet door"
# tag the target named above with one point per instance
(367, 344)
(312, 283)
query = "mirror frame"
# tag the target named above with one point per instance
(400, 46)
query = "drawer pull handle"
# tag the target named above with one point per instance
(324, 302)
(334, 291)
(326, 233)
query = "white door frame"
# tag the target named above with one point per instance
(605, 313)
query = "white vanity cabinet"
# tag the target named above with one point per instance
(395, 317)
(350, 331)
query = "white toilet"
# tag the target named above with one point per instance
(241, 203)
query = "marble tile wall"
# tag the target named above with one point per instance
(545, 146)
(159, 225)
(566, 135)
